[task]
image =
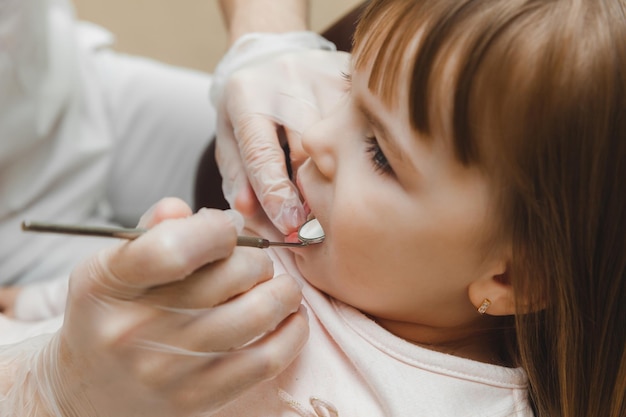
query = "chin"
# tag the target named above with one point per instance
(301, 263)
(307, 269)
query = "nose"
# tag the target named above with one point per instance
(319, 142)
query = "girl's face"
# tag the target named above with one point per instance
(407, 226)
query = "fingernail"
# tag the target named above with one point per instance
(146, 216)
(236, 218)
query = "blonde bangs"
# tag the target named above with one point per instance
(429, 53)
(381, 43)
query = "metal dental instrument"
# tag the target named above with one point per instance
(311, 232)
(133, 233)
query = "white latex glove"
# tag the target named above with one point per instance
(175, 323)
(263, 82)
(39, 301)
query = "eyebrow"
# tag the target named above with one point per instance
(380, 127)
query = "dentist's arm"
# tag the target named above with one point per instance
(245, 16)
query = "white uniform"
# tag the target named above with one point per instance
(87, 135)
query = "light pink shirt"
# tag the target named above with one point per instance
(352, 367)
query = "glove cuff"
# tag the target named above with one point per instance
(257, 46)
(26, 370)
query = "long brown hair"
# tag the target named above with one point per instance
(534, 92)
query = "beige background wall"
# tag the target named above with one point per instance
(182, 32)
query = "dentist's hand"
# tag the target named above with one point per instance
(175, 323)
(263, 102)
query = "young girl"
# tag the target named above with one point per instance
(471, 188)
(470, 184)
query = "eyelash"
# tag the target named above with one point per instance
(378, 158)
(376, 155)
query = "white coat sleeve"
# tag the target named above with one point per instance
(42, 300)
(54, 140)
(34, 83)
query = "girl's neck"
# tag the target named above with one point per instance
(484, 342)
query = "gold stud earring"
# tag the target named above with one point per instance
(484, 306)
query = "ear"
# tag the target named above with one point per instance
(493, 288)
(497, 289)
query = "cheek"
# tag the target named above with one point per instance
(356, 249)
(357, 219)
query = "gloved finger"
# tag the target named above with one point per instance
(167, 208)
(42, 300)
(227, 326)
(258, 164)
(289, 99)
(237, 190)
(223, 377)
(246, 201)
(216, 283)
(267, 172)
(297, 155)
(171, 384)
(315, 85)
(168, 252)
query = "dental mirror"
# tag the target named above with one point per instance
(311, 232)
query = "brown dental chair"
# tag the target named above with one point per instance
(208, 184)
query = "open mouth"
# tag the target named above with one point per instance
(294, 237)
(311, 232)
